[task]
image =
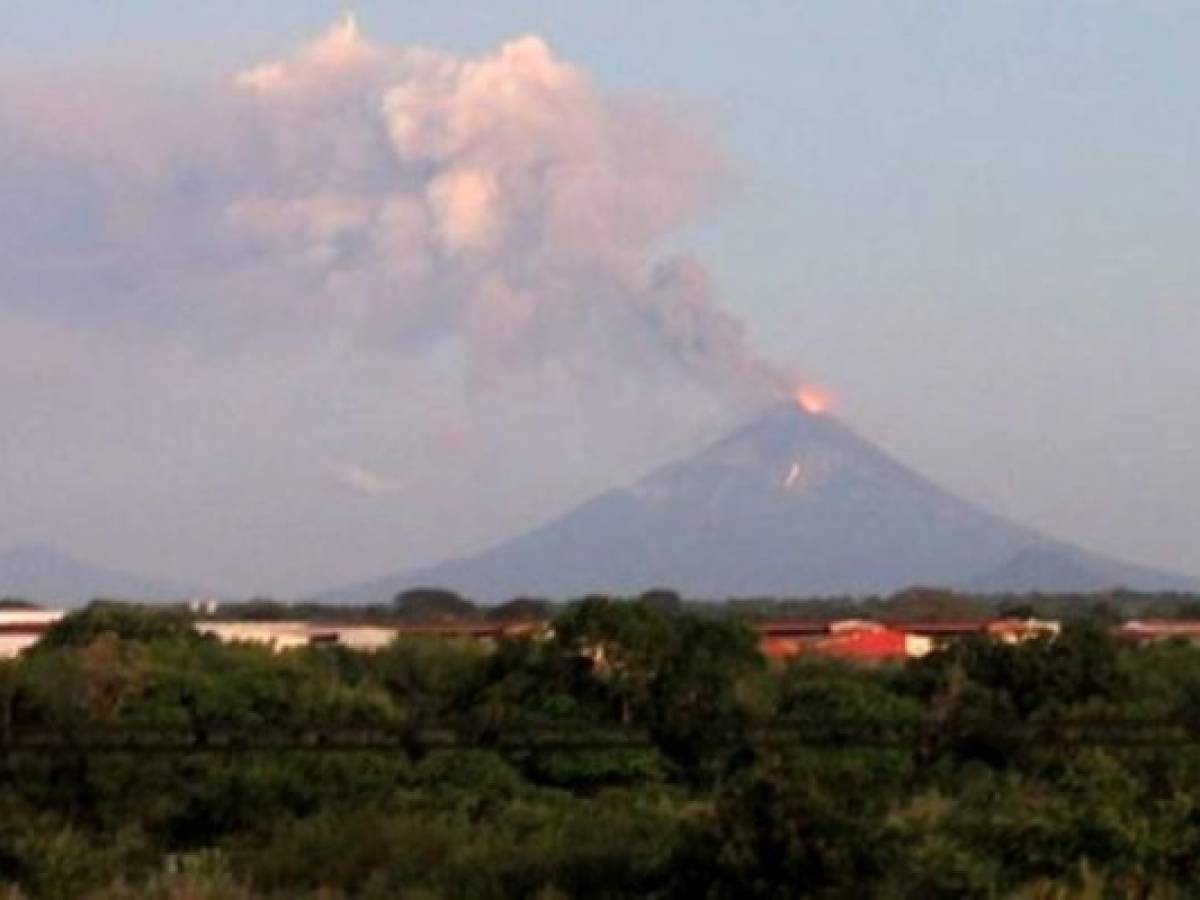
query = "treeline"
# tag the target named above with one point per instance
(433, 604)
(424, 605)
(989, 792)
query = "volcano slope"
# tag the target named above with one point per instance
(793, 504)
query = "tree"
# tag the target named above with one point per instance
(125, 621)
(778, 832)
(432, 679)
(662, 600)
(622, 641)
(676, 676)
(432, 605)
(522, 609)
(931, 605)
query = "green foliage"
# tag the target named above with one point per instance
(522, 609)
(432, 605)
(674, 675)
(783, 830)
(121, 620)
(664, 765)
(924, 604)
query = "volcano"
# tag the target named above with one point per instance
(793, 504)
(47, 574)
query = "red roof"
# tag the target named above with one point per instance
(782, 647)
(1157, 628)
(866, 645)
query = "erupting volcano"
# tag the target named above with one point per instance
(792, 504)
(812, 400)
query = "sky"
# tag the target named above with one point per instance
(292, 299)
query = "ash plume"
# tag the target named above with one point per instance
(400, 197)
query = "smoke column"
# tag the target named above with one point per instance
(403, 197)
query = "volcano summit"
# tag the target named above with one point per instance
(793, 504)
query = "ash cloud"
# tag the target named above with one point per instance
(400, 197)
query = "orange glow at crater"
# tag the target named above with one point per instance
(813, 400)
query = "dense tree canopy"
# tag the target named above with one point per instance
(639, 749)
(432, 605)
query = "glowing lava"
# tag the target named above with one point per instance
(813, 400)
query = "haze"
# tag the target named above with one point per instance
(288, 302)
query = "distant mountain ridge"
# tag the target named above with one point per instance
(792, 504)
(1065, 569)
(45, 574)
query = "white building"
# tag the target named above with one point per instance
(20, 629)
(276, 635)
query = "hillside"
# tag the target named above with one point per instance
(45, 574)
(792, 504)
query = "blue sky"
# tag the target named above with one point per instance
(974, 223)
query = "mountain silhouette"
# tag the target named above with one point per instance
(792, 504)
(46, 574)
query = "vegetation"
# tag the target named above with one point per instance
(436, 605)
(643, 749)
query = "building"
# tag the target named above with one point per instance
(1017, 631)
(856, 639)
(275, 635)
(1154, 630)
(875, 645)
(864, 640)
(20, 629)
(860, 640)
(290, 635)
